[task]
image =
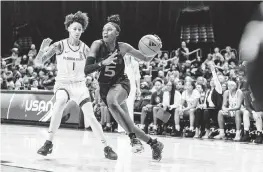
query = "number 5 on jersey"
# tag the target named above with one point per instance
(109, 71)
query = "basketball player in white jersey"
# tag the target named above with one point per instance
(70, 84)
(133, 72)
(232, 102)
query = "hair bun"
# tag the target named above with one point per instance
(115, 19)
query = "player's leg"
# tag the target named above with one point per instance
(130, 104)
(246, 122)
(221, 123)
(87, 109)
(238, 121)
(116, 101)
(156, 146)
(155, 110)
(143, 117)
(61, 99)
(258, 116)
(206, 122)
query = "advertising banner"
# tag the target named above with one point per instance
(34, 106)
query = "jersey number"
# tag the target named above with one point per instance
(109, 71)
(73, 65)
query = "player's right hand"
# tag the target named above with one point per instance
(110, 59)
(45, 44)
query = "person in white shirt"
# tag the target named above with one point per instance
(190, 98)
(133, 73)
(232, 102)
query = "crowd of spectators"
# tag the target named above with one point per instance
(181, 94)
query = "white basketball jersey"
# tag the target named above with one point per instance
(131, 69)
(70, 63)
(233, 99)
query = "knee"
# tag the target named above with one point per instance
(155, 109)
(144, 110)
(238, 114)
(112, 103)
(220, 113)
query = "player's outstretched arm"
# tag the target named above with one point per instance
(127, 48)
(47, 51)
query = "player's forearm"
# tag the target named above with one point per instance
(91, 66)
(218, 86)
(43, 56)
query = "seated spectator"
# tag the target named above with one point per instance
(156, 99)
(179, 86)
(218, 57)
(229, 54)
(3, 83)
(145, 97)
(18, 85)
(232, 101)
(190, 98)
(208, 60)
(145, 68)
(211, 105)
(34, 86)
(163, 63)
(148, 79)
(24, 60)
(251, 111)
(32, 52)
(161, 75)
(158, 111)
(11, 85)
(30, 60)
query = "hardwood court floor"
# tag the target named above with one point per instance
(80, 151)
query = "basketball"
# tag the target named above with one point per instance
(150, 45)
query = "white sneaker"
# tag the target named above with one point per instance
(220, 136)
(206, 136)
(197, 133)
(237, 137)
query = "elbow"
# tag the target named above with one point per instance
(86, 71)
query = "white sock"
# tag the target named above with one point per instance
(95, 125)
(246, 129)
(177, 127)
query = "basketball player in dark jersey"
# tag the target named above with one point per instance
(106, 55)
(251, 50)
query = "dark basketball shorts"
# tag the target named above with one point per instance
(104, 88)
